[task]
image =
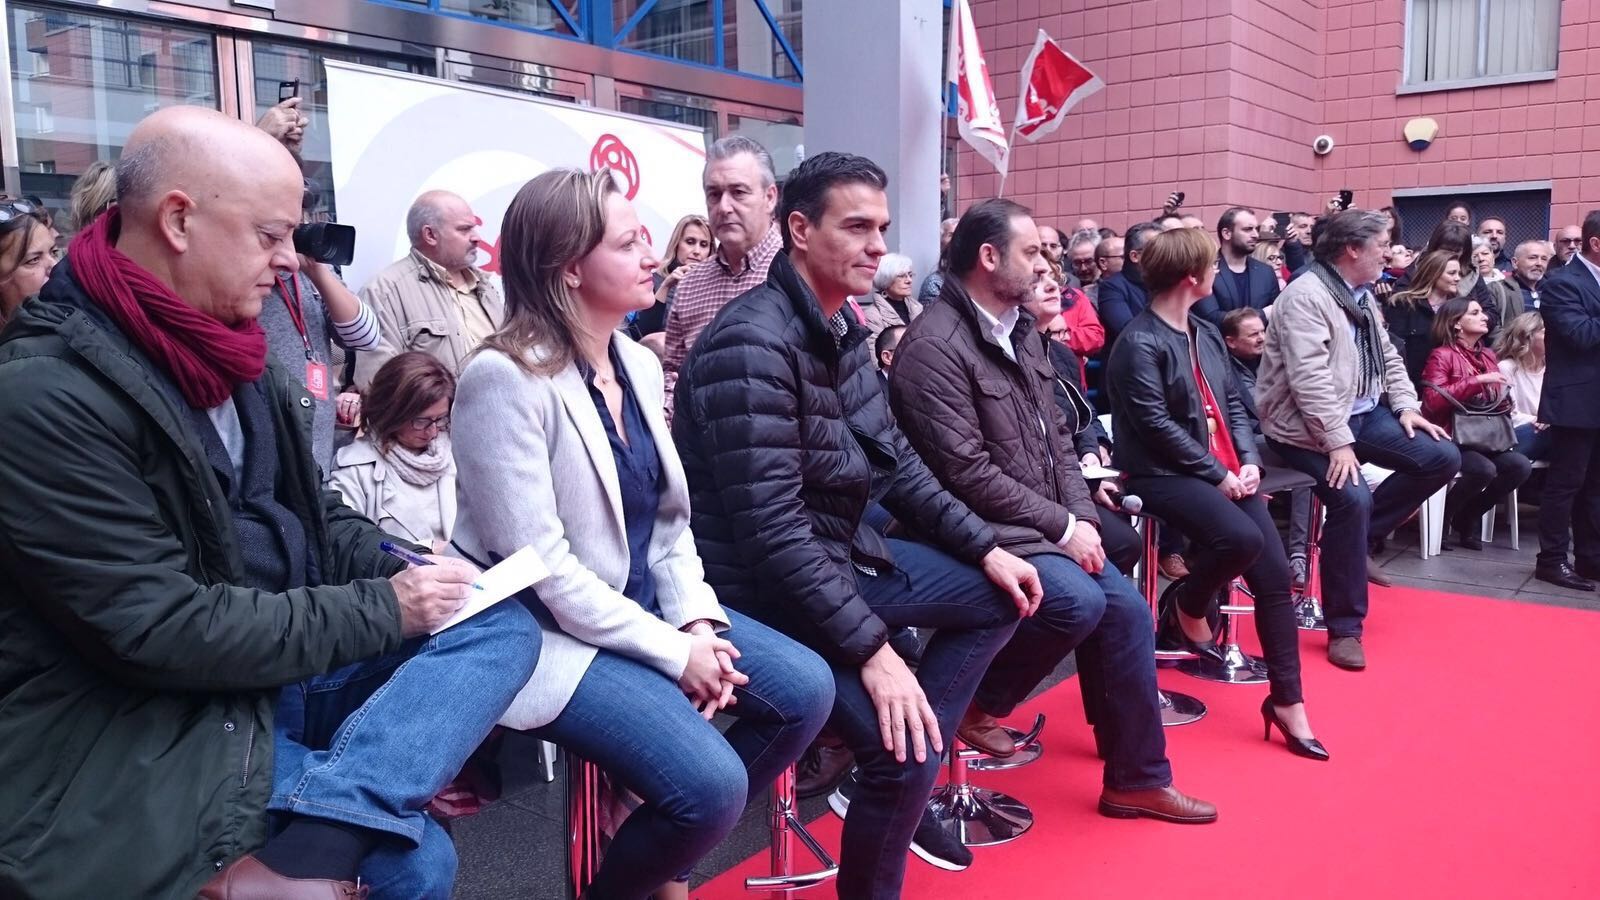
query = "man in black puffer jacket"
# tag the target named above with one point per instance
(786, 438)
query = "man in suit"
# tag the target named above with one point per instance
(1122, 296)
(1242, 279)
(1570, 303)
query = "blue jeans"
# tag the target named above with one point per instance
(1106, 620)
(372, 743)
(1533, 443)
(635, 723)
(1421, 466)
(971, 620)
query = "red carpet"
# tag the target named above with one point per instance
(1463, 767)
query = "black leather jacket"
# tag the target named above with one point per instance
(1157, 414)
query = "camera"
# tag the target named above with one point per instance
(1323, 145)
(326, 242)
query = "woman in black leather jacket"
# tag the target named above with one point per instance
(1186, 444)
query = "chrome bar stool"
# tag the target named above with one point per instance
(977, 817)
(784, 820)
(1176, 708)
(583, 782)
(1308, 606)
(1237, 666)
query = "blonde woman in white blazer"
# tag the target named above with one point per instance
(560, 444)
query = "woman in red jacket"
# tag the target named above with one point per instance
(1469, 372)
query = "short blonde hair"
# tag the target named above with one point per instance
(1172, 256)
(94, 190)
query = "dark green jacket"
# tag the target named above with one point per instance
(137, 685)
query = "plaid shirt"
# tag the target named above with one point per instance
(703, 293)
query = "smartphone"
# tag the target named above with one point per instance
(1178, 195)
(1282, 218)
(287, 89)
(1346, 197)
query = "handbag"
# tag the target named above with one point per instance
(1484, 427)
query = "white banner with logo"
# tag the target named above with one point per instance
(396, 135)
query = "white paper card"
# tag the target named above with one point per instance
(1099, 473)
(520, 570)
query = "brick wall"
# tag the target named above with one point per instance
(1222, 99)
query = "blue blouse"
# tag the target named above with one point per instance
(638, 475)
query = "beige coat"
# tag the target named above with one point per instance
(880, 314)
(418, 311)
(422, 514)
(1306, 385)
(536, 470)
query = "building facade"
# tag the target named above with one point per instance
(1223, 99)
(83, 72)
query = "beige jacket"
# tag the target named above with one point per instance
(880, 314)
(418, 311)
(536, 469)
(420, 514)
(1306, 385)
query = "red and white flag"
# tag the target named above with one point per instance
(977, 111)
(1053, 82)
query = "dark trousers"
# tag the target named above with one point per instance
(1107, 621)
(1570, 503)
(1231, 538)
(1124, 548)
(1486, 479)
(1356, 513)
(971, 620)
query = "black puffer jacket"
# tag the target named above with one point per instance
(1157, 412)
(786, 437)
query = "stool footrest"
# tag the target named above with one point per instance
(780, 882)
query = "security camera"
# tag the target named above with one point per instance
(1323, 145)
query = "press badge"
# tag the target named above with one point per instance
(317, 379)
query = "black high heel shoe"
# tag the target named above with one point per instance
(1311, 749)
(1205, 651)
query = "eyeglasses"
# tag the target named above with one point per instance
(1275, 257)
(1576, 240)
(12, 209)
(423, 423)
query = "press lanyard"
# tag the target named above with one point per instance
(316, 373)
(297, 316)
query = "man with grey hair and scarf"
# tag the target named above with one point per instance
(1332, 392)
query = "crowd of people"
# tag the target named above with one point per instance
(770, 474)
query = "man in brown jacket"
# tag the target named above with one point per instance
(972, 390)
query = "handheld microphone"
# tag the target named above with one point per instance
(1132, 504)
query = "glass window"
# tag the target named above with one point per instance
(81, 82)
(752, 47)
(781, 133)
(680, 29)
(277, 63)
(685, 29)
(1461, 40)
(673, 107)
(540, 14)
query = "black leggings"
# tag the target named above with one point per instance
(1485, 480)
(1229, 538)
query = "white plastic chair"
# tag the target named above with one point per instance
(1513, 515)
(1430, 520)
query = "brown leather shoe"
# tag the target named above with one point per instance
(822, 767)
(982, 732)
(1173, 566)
(1167, 804)
(247, 879)
(1375, 574)
(1347, 653)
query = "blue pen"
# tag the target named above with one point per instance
(401, 553)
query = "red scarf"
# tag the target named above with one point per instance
(204, 357)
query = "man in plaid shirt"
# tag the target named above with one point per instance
(741, 195)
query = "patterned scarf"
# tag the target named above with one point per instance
(1357, 304)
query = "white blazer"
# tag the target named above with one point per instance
(534, 467)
